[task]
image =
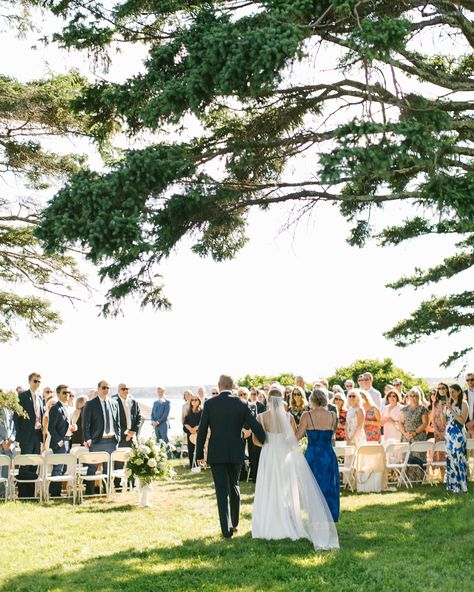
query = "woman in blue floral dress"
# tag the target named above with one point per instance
(456, 453)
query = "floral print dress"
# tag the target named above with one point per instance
(456, 454)
(372, 431)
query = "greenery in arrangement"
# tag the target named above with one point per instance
(390, 124)
(9, 400)
(387, 544)
(384, 371)
(148, 461)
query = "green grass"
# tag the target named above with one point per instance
(408, 541)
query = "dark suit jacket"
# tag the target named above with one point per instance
(93, 419)
(58, 424)
(226, 415)
(135, 416)
(25, 427)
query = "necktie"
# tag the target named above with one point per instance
(107, 417)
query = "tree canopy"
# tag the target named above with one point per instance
(392, 122)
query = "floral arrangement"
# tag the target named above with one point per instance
(10, 401)
(304, 444)
(148, 462)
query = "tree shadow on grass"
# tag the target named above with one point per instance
(384, 546)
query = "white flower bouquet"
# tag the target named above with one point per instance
(148, 462)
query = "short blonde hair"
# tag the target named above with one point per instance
(356, 392)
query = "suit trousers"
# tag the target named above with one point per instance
(55, 487)
(103, 445)
(226, 482)
(30, 446)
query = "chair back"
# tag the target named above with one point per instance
(470, 444)
(343, 451)
(397, 452)
(120, 455)
(5, 460)
(421, 446)
(370, 458)
(61, 459)
(440, 446)
(93, 458)
(20, 460)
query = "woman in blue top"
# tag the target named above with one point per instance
(319, 425)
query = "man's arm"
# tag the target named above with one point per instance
(202, 433)
(137, 423)
(165, 412)
(52, 427)
(86, 421)
(254, 425)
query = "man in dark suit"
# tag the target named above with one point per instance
(226, 415)
(130, 420)
(59, 426)
(29, 430)
(100, 426)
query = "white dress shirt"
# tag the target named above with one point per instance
(470, 402)
(127, 407)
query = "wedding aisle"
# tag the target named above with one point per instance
(176, 545)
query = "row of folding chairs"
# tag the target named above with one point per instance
(74, 477)
(396, 458)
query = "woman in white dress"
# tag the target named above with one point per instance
(355, 433)
(288, 502)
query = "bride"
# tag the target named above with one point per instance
(288, 502)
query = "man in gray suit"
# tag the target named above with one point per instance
(7, 440)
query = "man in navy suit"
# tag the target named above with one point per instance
(226, 415)
(130, 421)
(29, 433)
(59, 426)
(159, 415)
(100, 426)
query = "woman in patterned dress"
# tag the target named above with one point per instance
(413, 423)
(456, 453)
(340, 402)
(373, 418)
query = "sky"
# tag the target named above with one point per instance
(300, 301)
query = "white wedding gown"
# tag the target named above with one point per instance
(288, 502)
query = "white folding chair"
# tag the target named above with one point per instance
(6, 461)
(92, 458)
(346, 454)
(438, 449)
(470, 458)
(69, 476)
(120, 455)
(396, 455)
(421, 447)
(22, 460)
(370, 467)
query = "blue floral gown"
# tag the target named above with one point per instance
(456, 454)
(323, 462)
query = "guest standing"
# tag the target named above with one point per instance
(101, 427)
(159, 416)
(130, 415)
(59, 427)
(319, 425)
(413, 422)
(340, 402)
(29, 430)
(7, 440)
(191, 425)
(391, 415)
(355, 433)
(298, 403)
(78, 436)
(470, 404)
(456, 436)
(373, 418)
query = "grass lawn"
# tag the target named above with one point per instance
(409, 541)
